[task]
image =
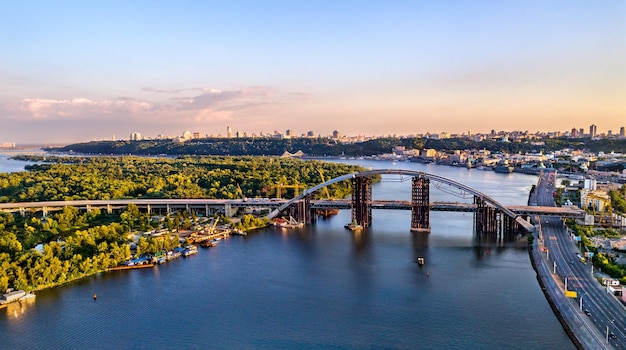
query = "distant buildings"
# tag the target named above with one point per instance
(492, 135)
(593, 131)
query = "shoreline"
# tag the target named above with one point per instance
(558, 302)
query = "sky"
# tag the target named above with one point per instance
(74, 71)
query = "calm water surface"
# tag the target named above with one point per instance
(317, 287)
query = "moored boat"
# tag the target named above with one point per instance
(353, 226)
(190, 250)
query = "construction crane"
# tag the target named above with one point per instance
(590, 202)
(325, 212)
(279, 189)
(319, 170)
(241, 193)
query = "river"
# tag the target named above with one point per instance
(316, 287)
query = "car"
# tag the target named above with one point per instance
(587, 312)
(613, 336)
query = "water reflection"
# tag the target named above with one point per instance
(19, 308)
(361, 240)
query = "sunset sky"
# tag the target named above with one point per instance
(74, 71)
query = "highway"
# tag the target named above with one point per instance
(597, 307)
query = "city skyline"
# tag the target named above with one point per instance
(592, 132)
(73, 72)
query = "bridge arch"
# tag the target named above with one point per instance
(369, 173)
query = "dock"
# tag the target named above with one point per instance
(126, 267)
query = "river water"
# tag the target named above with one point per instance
(316, 287)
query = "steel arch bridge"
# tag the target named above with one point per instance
(490, 216)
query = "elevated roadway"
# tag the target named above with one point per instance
(202, 204)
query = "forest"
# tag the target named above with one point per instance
(325, 146)
(72, 244)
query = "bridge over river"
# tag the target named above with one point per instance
(490, 216)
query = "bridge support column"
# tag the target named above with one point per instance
(485, 221)
(149, 209)
(206, 210)
(309, 213)
(420, 204)
(362, 201)
(109, 209)
(509, 226)
(228, 210)
(301, 210)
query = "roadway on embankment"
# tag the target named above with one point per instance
(558, 261)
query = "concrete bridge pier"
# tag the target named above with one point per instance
(302, 212)
(486, 218)
(228, 210)
(420, 204)
(493, 223)
(362, 201)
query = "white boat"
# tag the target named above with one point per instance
(27, 296)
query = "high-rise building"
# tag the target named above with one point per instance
(335, 134)
(581, 132)
(593, 130)
(621, 132)
(311, 133)
(574, 132)
(135, 136)
(229, 132)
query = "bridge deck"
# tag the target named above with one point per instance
(568, 212)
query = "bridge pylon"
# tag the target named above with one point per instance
(420, 204)
(362, 200)
(492, 222)
(302, 212)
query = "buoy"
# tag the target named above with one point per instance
(95, 296)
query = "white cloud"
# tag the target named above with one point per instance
(77, 108)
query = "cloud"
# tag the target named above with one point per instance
(201, 105)
(171, 91)
(77, 108)
(229, 100)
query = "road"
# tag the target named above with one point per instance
(597, 307)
